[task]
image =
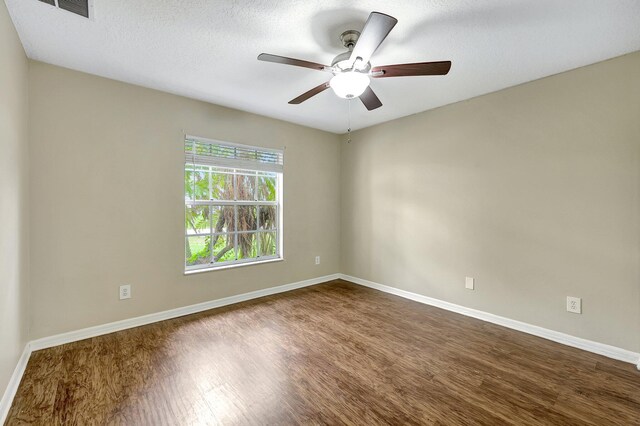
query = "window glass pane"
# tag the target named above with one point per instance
(196, 220)
(247, 245)
(197, 250)
(245, 187)
(247, 218)
(221, 185)
(196, 182)
(267, 187)
(220, 233)
(267, 243)
(223, 218)
(268, 217)
(188, 183)
(223, 248)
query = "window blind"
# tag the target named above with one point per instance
(225, 154)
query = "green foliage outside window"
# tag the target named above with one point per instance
(221, 233)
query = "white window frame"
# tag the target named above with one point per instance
(242, 168)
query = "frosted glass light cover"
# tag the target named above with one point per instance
(349, 85)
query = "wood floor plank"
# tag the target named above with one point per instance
(334, 353)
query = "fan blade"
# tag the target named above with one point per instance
(310, 93)
(290, 61)
(406, 70)
(375, 30)
(370, 100)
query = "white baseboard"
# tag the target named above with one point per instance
(556, 336)
(86, 333)
(72, 336)
(14, 382)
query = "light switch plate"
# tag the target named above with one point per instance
(469, 283)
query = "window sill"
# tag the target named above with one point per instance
(237, 265)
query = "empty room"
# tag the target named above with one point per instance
(339, 212)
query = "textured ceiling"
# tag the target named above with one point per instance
(207, 49)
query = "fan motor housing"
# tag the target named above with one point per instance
(349, 39)
(342, 63)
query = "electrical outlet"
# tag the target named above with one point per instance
(468, 283)
(317, 260)
(125, 291)
(574, 305)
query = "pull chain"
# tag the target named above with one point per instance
(349, 128)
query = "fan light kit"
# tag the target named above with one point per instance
(349, 85)
(352, 71)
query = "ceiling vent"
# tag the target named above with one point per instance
(79, 7)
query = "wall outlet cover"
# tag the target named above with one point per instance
(125, 292)
(574, 305)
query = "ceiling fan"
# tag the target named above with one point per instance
(352, 70)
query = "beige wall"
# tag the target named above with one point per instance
(13, 198)
(107, 190)
(533, 190)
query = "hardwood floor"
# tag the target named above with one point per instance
(334, 353)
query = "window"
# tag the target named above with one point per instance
(233, 204)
